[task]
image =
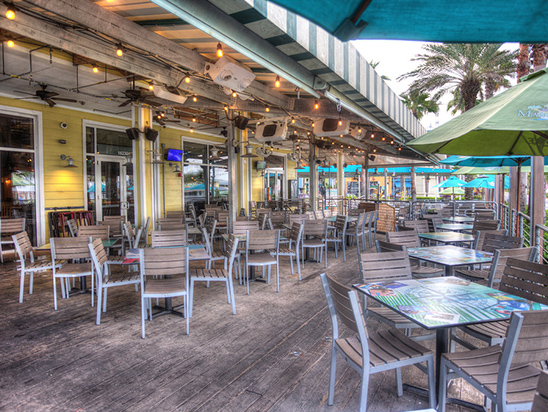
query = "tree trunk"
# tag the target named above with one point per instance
(524, 64)
(469, 91)
(539, 56)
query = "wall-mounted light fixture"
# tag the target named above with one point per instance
(248, 151)
(69, 160)
(177, 167)
(214, 153)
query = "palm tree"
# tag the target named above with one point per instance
(468, 68)
(420, 103)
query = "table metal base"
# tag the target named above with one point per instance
(452, 401)
(169, 309)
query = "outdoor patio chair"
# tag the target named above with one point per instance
(372, 227)
(73, 227)
(115, 222)
(131, 237)
(480, 237)
(388, 264)
(480, 225)
(339, 235)
(503, 374)
(168, 238)
(318, 215)
(357, 231)
(107, 278)
(214, 256)
(28, 264)
(96, 232)
(75, 252)
(8, 228)
(265, 244)
(293, 247)
(540, 401)
(178, 214)
(368, 351)
(522, 278)
(217, 275)
(295, 218)
(164, 275)
(314, 235)
(411, 239)
(420, 225)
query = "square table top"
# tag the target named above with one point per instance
(448, 237)
(459, 219)
(349, 219)
(106, 244)
(449, 255)
(442, 302)
(455, 226)
(195, 252)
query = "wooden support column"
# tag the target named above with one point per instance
(232, 185)
(341, 184)
(366, 183)
(537, 201)
(413, 184)
(313, 188)
(385, 183)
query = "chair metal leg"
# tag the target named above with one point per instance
(31, 282)
(443, 386)
(232, 299)
(277, 275)
(227, 290)
(399, 385)
(298, 262)
(333, 368)
(432, 382)
(185, 311)
(55, 293)
(99, 300)
(191, 298)
(291, 263)
(364, 386)
(143, 315)
(22, 287)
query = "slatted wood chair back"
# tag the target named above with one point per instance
(296, 232)
(436, 222)
(340, 307)
(480, 237)
(526, 279)
(540, 402)
(480, 225)
(362, 219)
(386, 266)
(231, 250)
(500, 258)
(73, 227)
(175, 214)
(298, 218)
(222, 216)
(262, 216)
(23, 246)
(311, 215)
(98, 254)
(11, 226)
(389, 247)
(96, 232)
(202, 219)
(262, 240)
(484, 215)
(446, 211)
(242, 218)
(327, 213)
(207, 242)
(241, 227)
(212, 207)
(66, 248)
(420, 225)
(354, 212)
(163, 262)
(171, 226)
(316, 228)
(494, 242)
(318, 215)
(166, 222)
(115, 223)
(373, 215)
(340, 223)
(400, 228)
(278, 218)
(168, 238)
(407, 238)
(129, 231)
(532, 342)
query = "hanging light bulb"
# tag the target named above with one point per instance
(267, 109)
(234, 94)
(277, 81)
(10, 12)
(192, 130)
(150, 86)
(359, 129)
(119, 50)
(292, 120)
(391, 141)
(219, 50)
(399, 149)
(383, 138)
(316, 105)
(225, 108)
(194, 119)
(162, 114)
(372, 135)
(194, 98)
(187, 79)
(340, 122)
(374, 150)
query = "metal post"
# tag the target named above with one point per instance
(366, 183)
(313, 173)
(537, 196)
(232, 186)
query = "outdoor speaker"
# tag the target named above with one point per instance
(132, 133)
(151, 134)
(241, 122)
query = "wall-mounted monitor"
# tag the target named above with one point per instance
(174, 155)
(261, 165)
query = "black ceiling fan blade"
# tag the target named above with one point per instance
(50, 102)
(63, 99)
(124, 104)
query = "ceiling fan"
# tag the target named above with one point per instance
(161, 119)
(139, 96)
(49, 97)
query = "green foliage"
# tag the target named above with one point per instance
(420, 103)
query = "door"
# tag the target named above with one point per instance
(111, 187)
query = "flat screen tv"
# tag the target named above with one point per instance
(174, 155)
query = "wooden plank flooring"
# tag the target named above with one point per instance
(272, 356)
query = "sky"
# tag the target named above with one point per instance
(395, 59)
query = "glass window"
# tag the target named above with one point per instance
(113, 142)
(91, 184)
(195, 184)
(16, 132)
(90, 140)
(222, 156)
(194, 153)
(218, 184)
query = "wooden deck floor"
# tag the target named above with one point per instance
(272, 356)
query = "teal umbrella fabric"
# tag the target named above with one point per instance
(440, 21)
(453, 181)
(484, 182)
(488, 161)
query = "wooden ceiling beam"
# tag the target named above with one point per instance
(97, 18)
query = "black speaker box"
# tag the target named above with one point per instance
(241, 122)
(132, 133)
(151, 134)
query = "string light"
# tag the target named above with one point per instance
(391, 141)
(316, 105)
(372, 135)
(225, 108)
(277, 81)
(10, 12)
(194, 98)
(11, 43)
(151, 86)
(359, 130)
(194, 119)
(374, 150)
(267, 109)
(399, 149)
(162, 114)
(383, 138)
(192, 130)
(119, 50)
(219, 50)
(187, 79)
(313, 124)
(234, 94)
(292, 120)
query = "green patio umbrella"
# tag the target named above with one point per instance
(491, 170)
(514, 122)
(452, 186)
(452, 191)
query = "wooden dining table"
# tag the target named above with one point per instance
(442, 303)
